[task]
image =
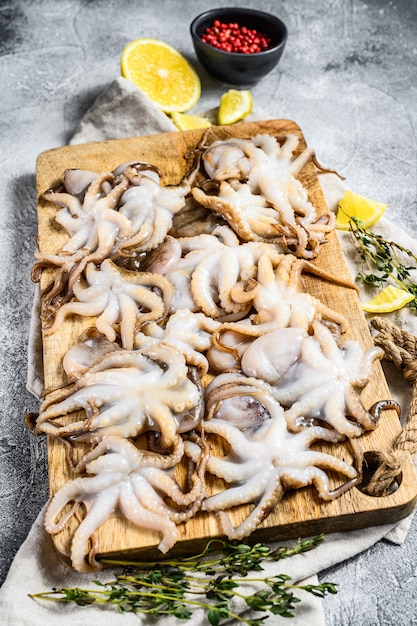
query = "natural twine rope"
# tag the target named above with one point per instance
(400, 347)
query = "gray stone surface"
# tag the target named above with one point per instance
(348, 77)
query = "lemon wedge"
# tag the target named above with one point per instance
(389, 299)
(234, 106)
(162, 73)
(363, 209)
(183, 121)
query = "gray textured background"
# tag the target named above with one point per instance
(348, 77)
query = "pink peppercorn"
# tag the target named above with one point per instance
(234, 38)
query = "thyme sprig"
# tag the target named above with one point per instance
(385, 261)
(209, 580)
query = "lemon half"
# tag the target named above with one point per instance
(162, 73)
(389, 299)
(234, 106)
(353, 205)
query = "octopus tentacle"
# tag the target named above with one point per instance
(382, 405)
(315, 476)
(354, 406)
(192, 499)
(76, 308)
(98, 511)
(270, 498)
(70, 493)
(151, 519)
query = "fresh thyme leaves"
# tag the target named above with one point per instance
(385, 261)
(209, 581)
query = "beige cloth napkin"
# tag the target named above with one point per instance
(123, 111)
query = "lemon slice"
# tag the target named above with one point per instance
(389, 299)
(354, 205)
(189, 122)
(234, 106)
(162, 73)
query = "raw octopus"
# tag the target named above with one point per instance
(259, 195)
(190, 284)
(132, 482)
(311, 376)
(118, 298)
(321, 379)
(126, 392)
(110, 215)
(265, 460)
(188, 333)
(225, 279)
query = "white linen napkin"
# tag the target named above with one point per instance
(124, 111)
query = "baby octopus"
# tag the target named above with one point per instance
(194, 250)
(280, 298)
(315, 378)
(259, 195)
(224, 279)
(278, 301)
(125, 392)
(219, 273)
(125, 480)
(121, 299)
(187, 332)
(111, 215)
(265, 460)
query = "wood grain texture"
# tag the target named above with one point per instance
(301, 512)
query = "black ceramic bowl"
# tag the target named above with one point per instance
(236, 68)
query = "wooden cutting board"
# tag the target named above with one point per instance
(301, 512)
